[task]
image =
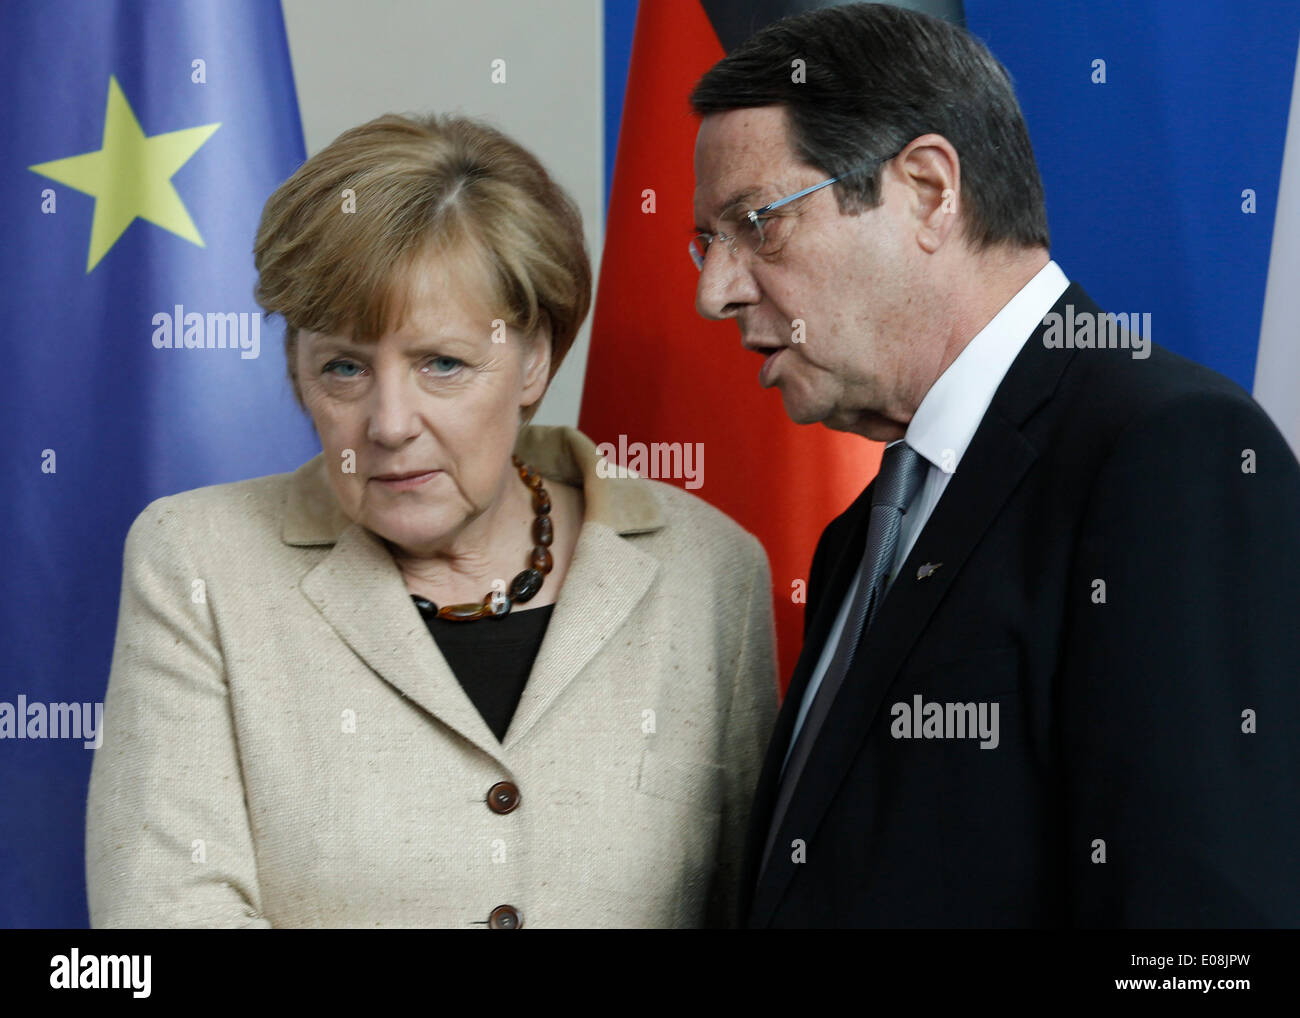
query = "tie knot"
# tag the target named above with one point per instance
(902, 469)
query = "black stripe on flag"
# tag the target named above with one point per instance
(734, 21)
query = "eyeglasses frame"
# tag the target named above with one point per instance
(756, 215)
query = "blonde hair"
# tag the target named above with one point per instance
(420, 186)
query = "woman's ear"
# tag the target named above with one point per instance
(537, 364)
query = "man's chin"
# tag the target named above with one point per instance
(804, 412)
(873, 427)
(801, 411)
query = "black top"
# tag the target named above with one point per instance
(491, 658)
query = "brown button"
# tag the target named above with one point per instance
(503, 797)
(505, 917)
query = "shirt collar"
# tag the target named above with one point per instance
(949, 415)
(627, 505)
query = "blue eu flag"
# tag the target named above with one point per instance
(140, 142)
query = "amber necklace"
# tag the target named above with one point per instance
(527, 583)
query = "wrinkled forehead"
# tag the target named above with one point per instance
(739, 155)
(435, 290)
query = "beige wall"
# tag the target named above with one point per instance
(355, 60)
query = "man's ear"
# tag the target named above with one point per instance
(931, 171)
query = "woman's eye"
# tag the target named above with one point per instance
(349, 369)
(444, 365)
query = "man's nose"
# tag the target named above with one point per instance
(726, 285)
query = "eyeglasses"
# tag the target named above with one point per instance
(746, 227)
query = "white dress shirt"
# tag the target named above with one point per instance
(944, 424)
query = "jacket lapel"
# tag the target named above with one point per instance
(841, 574)
(998, 457)
(360, 592)
(607, 579)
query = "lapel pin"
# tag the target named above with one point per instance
(927, 570)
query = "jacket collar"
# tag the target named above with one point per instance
(626, 505)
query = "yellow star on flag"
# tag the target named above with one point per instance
(131, 176)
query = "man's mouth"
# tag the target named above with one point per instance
(765, 349)
(771, 358)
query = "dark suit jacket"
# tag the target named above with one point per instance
(1121, 721)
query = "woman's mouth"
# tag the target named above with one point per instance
(405, 481)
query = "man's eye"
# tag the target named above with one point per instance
(349, 368)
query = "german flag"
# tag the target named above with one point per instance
(658, 372)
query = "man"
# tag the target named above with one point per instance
(1049, 673)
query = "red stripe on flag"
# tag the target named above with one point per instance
(657, 372)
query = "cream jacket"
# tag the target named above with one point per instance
(285, 746)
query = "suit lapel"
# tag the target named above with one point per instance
(842, 571)
(996, 460)
(359, 590)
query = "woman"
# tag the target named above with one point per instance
(445, 673)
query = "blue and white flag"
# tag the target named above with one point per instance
(1277, 371)
(141, 140)
(1159, 128)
